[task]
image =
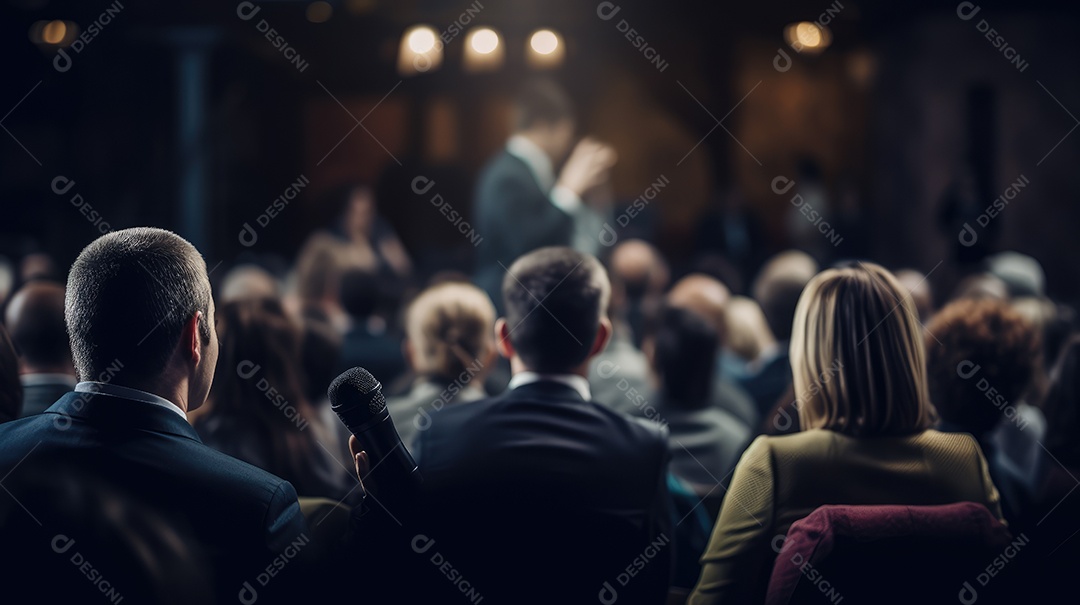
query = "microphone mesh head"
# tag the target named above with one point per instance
(362, 384)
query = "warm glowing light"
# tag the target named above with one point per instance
(544, 42)
(484, 40)
(54, 32)
(319, 12)
(807, 37)
(422, 40)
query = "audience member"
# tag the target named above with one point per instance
(705, 440)
(248, 281)
(981, 357)
(140, 315)
(709, 298)
(368, 343)
(544, 463)
(450, 347)
(641, 270)
(777, 289)
(35, 319)
(258, 411)
(1023, 275)
(916, 284)
(748, 337)
(860, 378)
(11, 390)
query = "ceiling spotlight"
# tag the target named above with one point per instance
(421, 39)
(807, 37)
(484, 40)
(54, 32)
(544, 42)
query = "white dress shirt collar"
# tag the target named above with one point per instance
(538, 162)
(116, 390)
(578, 383)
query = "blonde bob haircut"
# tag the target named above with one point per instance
(857, 355)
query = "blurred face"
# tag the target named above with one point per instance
(561, 139)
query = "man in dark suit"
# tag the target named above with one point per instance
(541, 495)
(35, 320)
(522, 203)
(141, 321)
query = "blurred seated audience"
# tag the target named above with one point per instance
(257, 408)
(1022, 275)
(11, 390)
(860, 378)
(315, 293)
(916, 284)
(644, 276)
(981, 356)
(543, 462)
(705, 440)
(7, 278)
(140, 316)
(369, 342)
(777, 289)
(709, 298)
(38, 266)
(981, 285)
(748, 337)
(450, 347)
(35, 319)
(248, 281)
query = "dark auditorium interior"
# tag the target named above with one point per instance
(539, 301)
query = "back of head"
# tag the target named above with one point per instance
(318, 268)
(554, 299)
(639, 267)
(1022, 274)
(129, 294)
(857, 356)
(541, 102)
(449, 327)
(35, 319)
(684, 347)
(778, 287)
(705, 296)
(248, 281)
(748, 333)
(972, 346)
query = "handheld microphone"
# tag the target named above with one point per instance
(356, 397)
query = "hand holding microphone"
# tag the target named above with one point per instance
(356, 397)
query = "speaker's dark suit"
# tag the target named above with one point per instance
(514, 216)
(538, 496)
(243, 517)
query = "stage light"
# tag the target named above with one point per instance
(483, 51)
(420, 51)
(319, 12)
(54, 32)
(544, 42)
(546, 49)
(421, 39)
(483, 40)
(807, 37)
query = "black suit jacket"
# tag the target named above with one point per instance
(39, 396)
(540, 496)
(243, 517)
(514, 216)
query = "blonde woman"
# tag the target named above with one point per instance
(450, 346)
(860, 380)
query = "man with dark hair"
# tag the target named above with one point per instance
(35, 320)
(141, 321)
(515, 481)
(522, 201)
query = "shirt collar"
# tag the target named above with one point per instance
(88, 386)
(538, 162)
(578, 383)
